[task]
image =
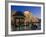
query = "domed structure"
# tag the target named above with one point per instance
(28, 16)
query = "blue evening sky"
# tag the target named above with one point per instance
(36, 11)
